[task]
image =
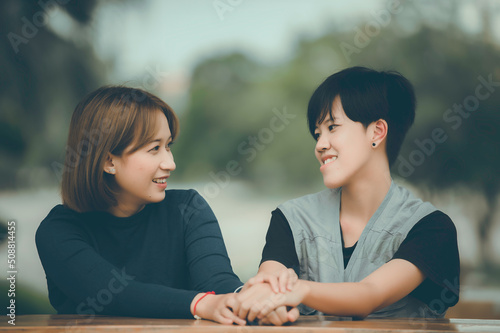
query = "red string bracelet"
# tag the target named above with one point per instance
(199, 299)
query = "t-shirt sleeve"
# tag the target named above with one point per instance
(280, 245)
(206, 255)
(431, 245)
(93, 285)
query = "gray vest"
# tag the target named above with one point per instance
(314, 221)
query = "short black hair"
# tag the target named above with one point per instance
(367, 95)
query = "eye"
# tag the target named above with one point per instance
(155, 149)
(316, 136)
(169, 145)
(332, 127)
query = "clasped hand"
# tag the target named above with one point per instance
(263, 298)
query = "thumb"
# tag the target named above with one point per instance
(293, 315)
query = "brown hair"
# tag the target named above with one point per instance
(108, 120)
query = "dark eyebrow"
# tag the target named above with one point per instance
(332, 119)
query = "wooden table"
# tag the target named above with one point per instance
(75, 323)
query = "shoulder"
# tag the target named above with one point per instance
(60, 221)
(432, 237)
(436, 221)
(59, 215)
(405, 204)
(311, 200)
(312, 213)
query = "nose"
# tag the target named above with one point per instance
(322, 143)
(168, 161)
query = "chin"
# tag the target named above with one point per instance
(332, 183)
(157, 198)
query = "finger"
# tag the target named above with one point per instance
(254, 280)
(220, 318)
(265, 321)
(274, 319)
(282, 314)
(293, 315)
(292, 282)
(292, 279)
(232, 304)
(254, 295)
(228, 314)
(230, 317)
(254, 311)
(283, 281)
(243, 310)
(266, 307)
(273, 281)
(270, 304)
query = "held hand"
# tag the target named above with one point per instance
(217, 308)
(248, 304)
(280, 316)
(293, 298)
(245, 304)
(280, 281)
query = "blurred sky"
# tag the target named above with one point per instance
(179, 34)
(168, 38)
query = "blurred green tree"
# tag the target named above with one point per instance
(42, 75)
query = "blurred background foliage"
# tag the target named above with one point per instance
(232, 98)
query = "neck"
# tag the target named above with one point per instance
(124, 210)
(360, 199)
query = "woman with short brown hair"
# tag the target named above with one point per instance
(120, 244)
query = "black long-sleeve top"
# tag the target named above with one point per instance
(151, 264)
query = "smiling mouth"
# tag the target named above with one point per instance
(160, 180)
(329, 160)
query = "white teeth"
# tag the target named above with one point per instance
(160, 180)
(331, 159)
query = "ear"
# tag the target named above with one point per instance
(109, 166)
(378, 132)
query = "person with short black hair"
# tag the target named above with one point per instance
(364, 247)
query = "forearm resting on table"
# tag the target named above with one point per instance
(386, 285)
(355, 299)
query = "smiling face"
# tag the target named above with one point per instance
(343, 148)
(141, 176)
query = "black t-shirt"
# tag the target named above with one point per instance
(431, 245)
(151, 264)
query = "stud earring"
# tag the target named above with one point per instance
(373, 144)
(112, 170)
